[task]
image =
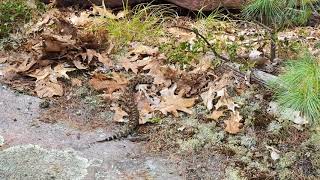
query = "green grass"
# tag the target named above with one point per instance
(299, 87)
(183, 53)
(143, 24)
(279, 13)
(13, 14)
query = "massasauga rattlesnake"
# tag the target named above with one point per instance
(129, 105)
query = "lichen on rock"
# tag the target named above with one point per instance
(33, 162)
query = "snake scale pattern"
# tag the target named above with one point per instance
(128, 103)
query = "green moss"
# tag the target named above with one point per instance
(82, 91)
(208, 135)
(232, 173)
(94, 101)
(239, 150)
(285, 174)
(274, 127)
(315, 158)
(12, 15)
(287, 160)
(156, 120)
(190, 145)
(184, 52)
(248, 141)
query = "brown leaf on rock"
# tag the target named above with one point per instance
(233, 125)
(173, 103)
(108, 83)
(48, 88)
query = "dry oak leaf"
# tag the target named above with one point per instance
(81, 20)
(41, 74)
(156, 71)
(22, 63)
(216, 89)
(48, 87)
(173, 103)
(233, 125)
(182, 35)
(60, 71)
(225, 100)
(204, 64)
(192, 83)
(108, 83)
(57, 43)
(215, 115)
(119, 114)
(139, 49)
(3, 59)
(133, 63)
(208, 97)
(144, 107)
(107, 13)
(105, 60)
(76, 82)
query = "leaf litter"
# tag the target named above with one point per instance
(61, 45)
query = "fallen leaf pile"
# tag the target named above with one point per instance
(59, 44)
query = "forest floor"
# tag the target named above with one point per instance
(198, 119)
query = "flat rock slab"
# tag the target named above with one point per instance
(30, 149)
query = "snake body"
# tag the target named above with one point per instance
(129, 105)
